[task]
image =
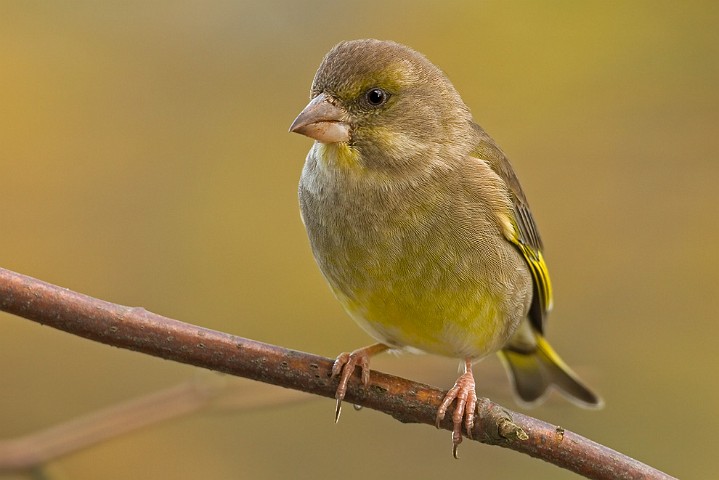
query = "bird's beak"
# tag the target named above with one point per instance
(322, 121)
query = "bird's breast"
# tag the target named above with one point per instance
(416, 266)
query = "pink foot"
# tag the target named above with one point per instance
(466, 395)
(344, 366)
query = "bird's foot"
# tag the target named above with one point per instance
(344, 366)
(465, 394)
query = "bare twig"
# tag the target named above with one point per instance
(204, 392)
(137, 329)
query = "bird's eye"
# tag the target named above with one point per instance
(376, 97)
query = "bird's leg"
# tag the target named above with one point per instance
(345, 365)
(466, 395)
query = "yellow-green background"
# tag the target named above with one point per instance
(145, 159)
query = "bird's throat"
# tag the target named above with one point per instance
(337, 155)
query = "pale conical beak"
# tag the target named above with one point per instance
(322, 121)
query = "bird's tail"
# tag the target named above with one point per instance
(533, 371)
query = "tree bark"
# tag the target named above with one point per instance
(137, 329)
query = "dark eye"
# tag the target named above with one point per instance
(376, 97)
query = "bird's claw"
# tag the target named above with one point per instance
(343, 367)
(464, 392)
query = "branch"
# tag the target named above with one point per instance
(32, 451)
(137, 329)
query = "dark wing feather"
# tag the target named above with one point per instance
(526, 235)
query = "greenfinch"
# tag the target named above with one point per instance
(421, 228)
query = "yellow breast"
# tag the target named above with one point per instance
(416, 267)
(440, 299)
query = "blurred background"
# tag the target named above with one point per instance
(145, 160)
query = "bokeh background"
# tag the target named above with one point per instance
(145, 160)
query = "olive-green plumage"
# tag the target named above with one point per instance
(418, 221)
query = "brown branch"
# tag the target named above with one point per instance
(36, 449)
(137, 329)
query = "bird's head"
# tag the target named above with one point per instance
(387, 103)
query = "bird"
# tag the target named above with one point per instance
(421, 228)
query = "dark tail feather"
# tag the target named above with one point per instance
(532, 373)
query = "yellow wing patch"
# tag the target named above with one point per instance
(534, 259)
(540, 273)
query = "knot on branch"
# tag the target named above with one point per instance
(496, 425)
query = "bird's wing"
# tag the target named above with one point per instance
(524, 233)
